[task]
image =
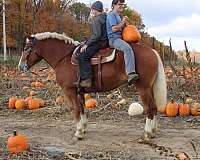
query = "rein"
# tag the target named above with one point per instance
(56, 64)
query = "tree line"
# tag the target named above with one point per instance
(34, 16)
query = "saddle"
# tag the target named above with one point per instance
(104, 55)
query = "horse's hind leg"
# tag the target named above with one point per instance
(151, 111)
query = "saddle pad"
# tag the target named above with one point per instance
(103, 56)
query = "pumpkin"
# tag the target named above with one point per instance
(184, 109)
(41, 102)
(27, 99)
(20, 104)
(17, 143)
(188, 100)
(87, 96)
(32, 84)
(33, 104)
(11, 102)
(195, 110)
(39, 84)
(90, 103)
(25, 88)
(32, 93)
(50, 77)
(172, 109)
(60, 100)
(131, 34)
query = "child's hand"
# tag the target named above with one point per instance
(125, 19)
(83, 49)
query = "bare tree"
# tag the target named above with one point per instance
(36, 6)
(65, 4)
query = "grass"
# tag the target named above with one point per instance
(14, 60)
(10, 60)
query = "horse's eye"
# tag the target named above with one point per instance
(29, 50)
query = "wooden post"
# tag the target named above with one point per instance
(162, 52)
(188, 57)
(171, 50)
(153, 43)
(170, 58)
(4, 31)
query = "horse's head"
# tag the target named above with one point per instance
(30, 55)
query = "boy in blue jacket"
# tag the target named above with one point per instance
(115, 26)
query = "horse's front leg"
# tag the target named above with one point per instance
(82, 124)
(75, 103)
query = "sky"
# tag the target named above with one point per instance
(165, 19)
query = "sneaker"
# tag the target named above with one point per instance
(132, 77)
(86, 83)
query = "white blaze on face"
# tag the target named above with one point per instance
(20, 61)
(27, 40)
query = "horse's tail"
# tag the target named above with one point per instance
(160, 87)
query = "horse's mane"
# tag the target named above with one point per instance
(54, 35)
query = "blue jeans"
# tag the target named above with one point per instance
(129, 57)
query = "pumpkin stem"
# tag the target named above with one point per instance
(14, 133)
(172, 100)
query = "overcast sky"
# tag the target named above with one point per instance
(178, 19)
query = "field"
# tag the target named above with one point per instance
(112, 133)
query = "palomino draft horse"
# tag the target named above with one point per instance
(57, 49)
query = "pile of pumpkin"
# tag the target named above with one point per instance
(183, 109)
(28, 103)
(90, 102)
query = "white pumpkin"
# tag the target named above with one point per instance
(135, 109)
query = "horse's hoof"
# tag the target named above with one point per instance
(76, 139)
(83, 131)
(78, 135)
(148, 135)
(144, 140)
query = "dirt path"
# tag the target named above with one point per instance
(106, 139)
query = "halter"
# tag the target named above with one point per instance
(28, 50)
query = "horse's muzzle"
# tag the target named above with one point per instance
(23, 67)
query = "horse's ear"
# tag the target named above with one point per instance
(28, 35)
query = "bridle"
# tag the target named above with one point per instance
(29, 48)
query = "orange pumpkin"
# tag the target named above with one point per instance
(131, 34)
(25, 88)
(184, 110)
(17, 143)
(172, 109)
(32, 93)
(195, 110)
(27, 99)
(33, 104)
(39, 84)
(32, 84)
(60, 100)
(11, 102)
(87, 96)
(90, 103)
(50, 77)
(20, 104)
(41, 102)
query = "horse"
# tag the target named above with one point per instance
(57, 50)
